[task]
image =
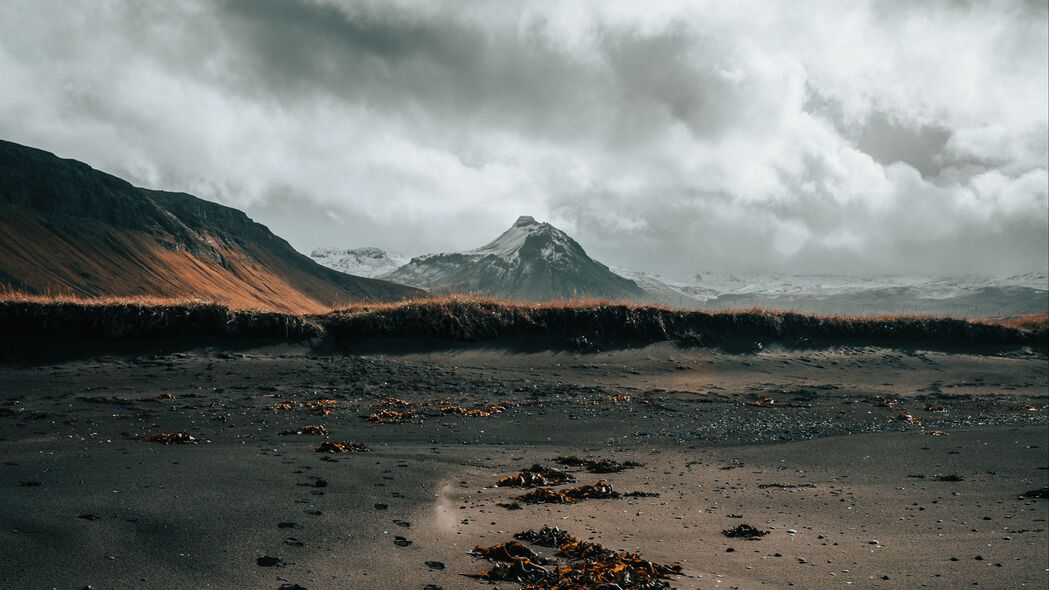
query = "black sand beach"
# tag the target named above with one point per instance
(821, 448)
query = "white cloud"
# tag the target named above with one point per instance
(675, 137)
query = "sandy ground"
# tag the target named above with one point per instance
(850, 494)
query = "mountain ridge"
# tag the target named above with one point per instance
(67, 228)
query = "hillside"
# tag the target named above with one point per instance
(67, 228)
(531, 261)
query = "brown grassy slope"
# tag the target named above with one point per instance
(69, 229)
(98, 261)
(476, 319)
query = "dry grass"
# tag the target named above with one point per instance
(142, 318)
(1037, 324)
(579, 324)
(596, 321)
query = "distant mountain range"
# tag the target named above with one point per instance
(531, 261)
(66, 228)
(535, 261)
(961, 296)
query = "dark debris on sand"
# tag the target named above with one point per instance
(1042, 493)
(583, 566)
(744, 531)
(536, 476)
(598, 491)
(394, 410)
(508, 552)
(268, 561)
(169, 438)
(307, 430)
(545, 537)
(340, 446)
(596, 465)
(391, 410)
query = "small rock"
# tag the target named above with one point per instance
(267, 561)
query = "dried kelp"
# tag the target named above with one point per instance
(484, 411)
(308, 430)
(339, 446)
(536, 476)
(600, 490)
(910, 418)
(596, 465)
(545, 537)
(587, 565)
(744, 531)
(508, 552)
(169, 438)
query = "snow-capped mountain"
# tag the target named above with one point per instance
(531, 261)
(363, 262)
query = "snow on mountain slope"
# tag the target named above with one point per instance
(531, 261)
(364, 262)
(759, 283)
(968, 296)
(957, 286)
(706, 285)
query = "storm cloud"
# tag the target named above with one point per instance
(860, 137)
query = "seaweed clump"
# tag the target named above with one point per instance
(596, 465)
(744, 531)
(484, 412)
(307, 430)
(598, 491)
(536, 476)
(585, 565)
(391, 410)
(508, 552)
(169, 438)
(339, 446)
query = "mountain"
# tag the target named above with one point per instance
(971, 296)
(365, 262)
(531, 261)
(66, 228)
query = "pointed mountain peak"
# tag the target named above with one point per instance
(530, 261)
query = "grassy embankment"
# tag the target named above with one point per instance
(577, 323)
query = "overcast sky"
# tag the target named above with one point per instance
(849, 137)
